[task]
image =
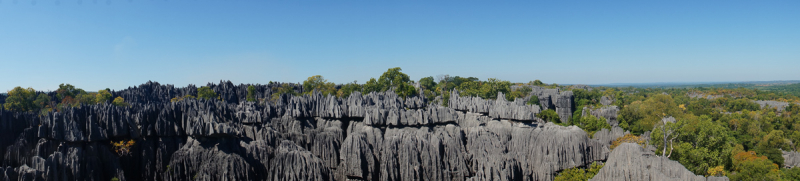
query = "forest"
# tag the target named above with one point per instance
(716, 131)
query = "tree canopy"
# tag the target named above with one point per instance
(206, 93)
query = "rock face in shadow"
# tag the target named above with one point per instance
(374, 136)
(630, 161)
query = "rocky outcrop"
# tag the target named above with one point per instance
(630, 161)
(791, 159)
(606, 137)
(606, 100)
(374, 136)
(607, 112)
(778, 105)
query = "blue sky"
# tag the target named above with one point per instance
(115, 44)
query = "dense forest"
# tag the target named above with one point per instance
(743, 133)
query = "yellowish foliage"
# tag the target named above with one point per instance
(628, 138)
(717, 171)
(123, 147)
(176, 99)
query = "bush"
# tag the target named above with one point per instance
(348, 89)
(206, 93)
(283, 89)
(176, 99)
(717, 171)
(318, 83)
(119, 101)
(520, 93)
(579, 173)
(102, 96)
(534, 100)
(20, 99)
(549, 115)
(251, 93)
(628, 138)
(749, 166)
(123, 147)
(592, 124)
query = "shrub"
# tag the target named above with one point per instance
(749, 166)
(123, 147)
(717, 171)
(20, 99)
(579, 173)
(251, 93)
(102, 96)
(628, 138)
(549, 115)
(534, 100)
(119, 101)
(176, 99)
(318, 83)
(283, 89)
(206, 93)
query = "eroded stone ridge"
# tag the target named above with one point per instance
(630, 161)
(375, 136)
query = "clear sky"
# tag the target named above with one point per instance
(97, 44)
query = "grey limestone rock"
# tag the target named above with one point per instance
(503, 109)
(606, 137)
(607, 112)
(294, 163)
(773, 104)
(373, 136)
(606, 100)
(791, 159)
(212, 159)
(630, 161)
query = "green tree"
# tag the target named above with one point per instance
(549, 115)
(20, 99)
(281, 90)
(251, 93)
(427, 83)
(318, 83)
(749, 166)
(42, 101)
(103, 96)
(791, 174)
(206, 93)
(348, 89)
(372, 86)
(534, 100)
(393, 78)
(699, 143)
(65, 90)
(537, 82)
(575, 174)
(641, 116)
(119, 101)
(493, 86)
(770, 146)
(520, 92)
(86, 98)
(591, 124)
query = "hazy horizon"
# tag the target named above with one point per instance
(116, 44)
